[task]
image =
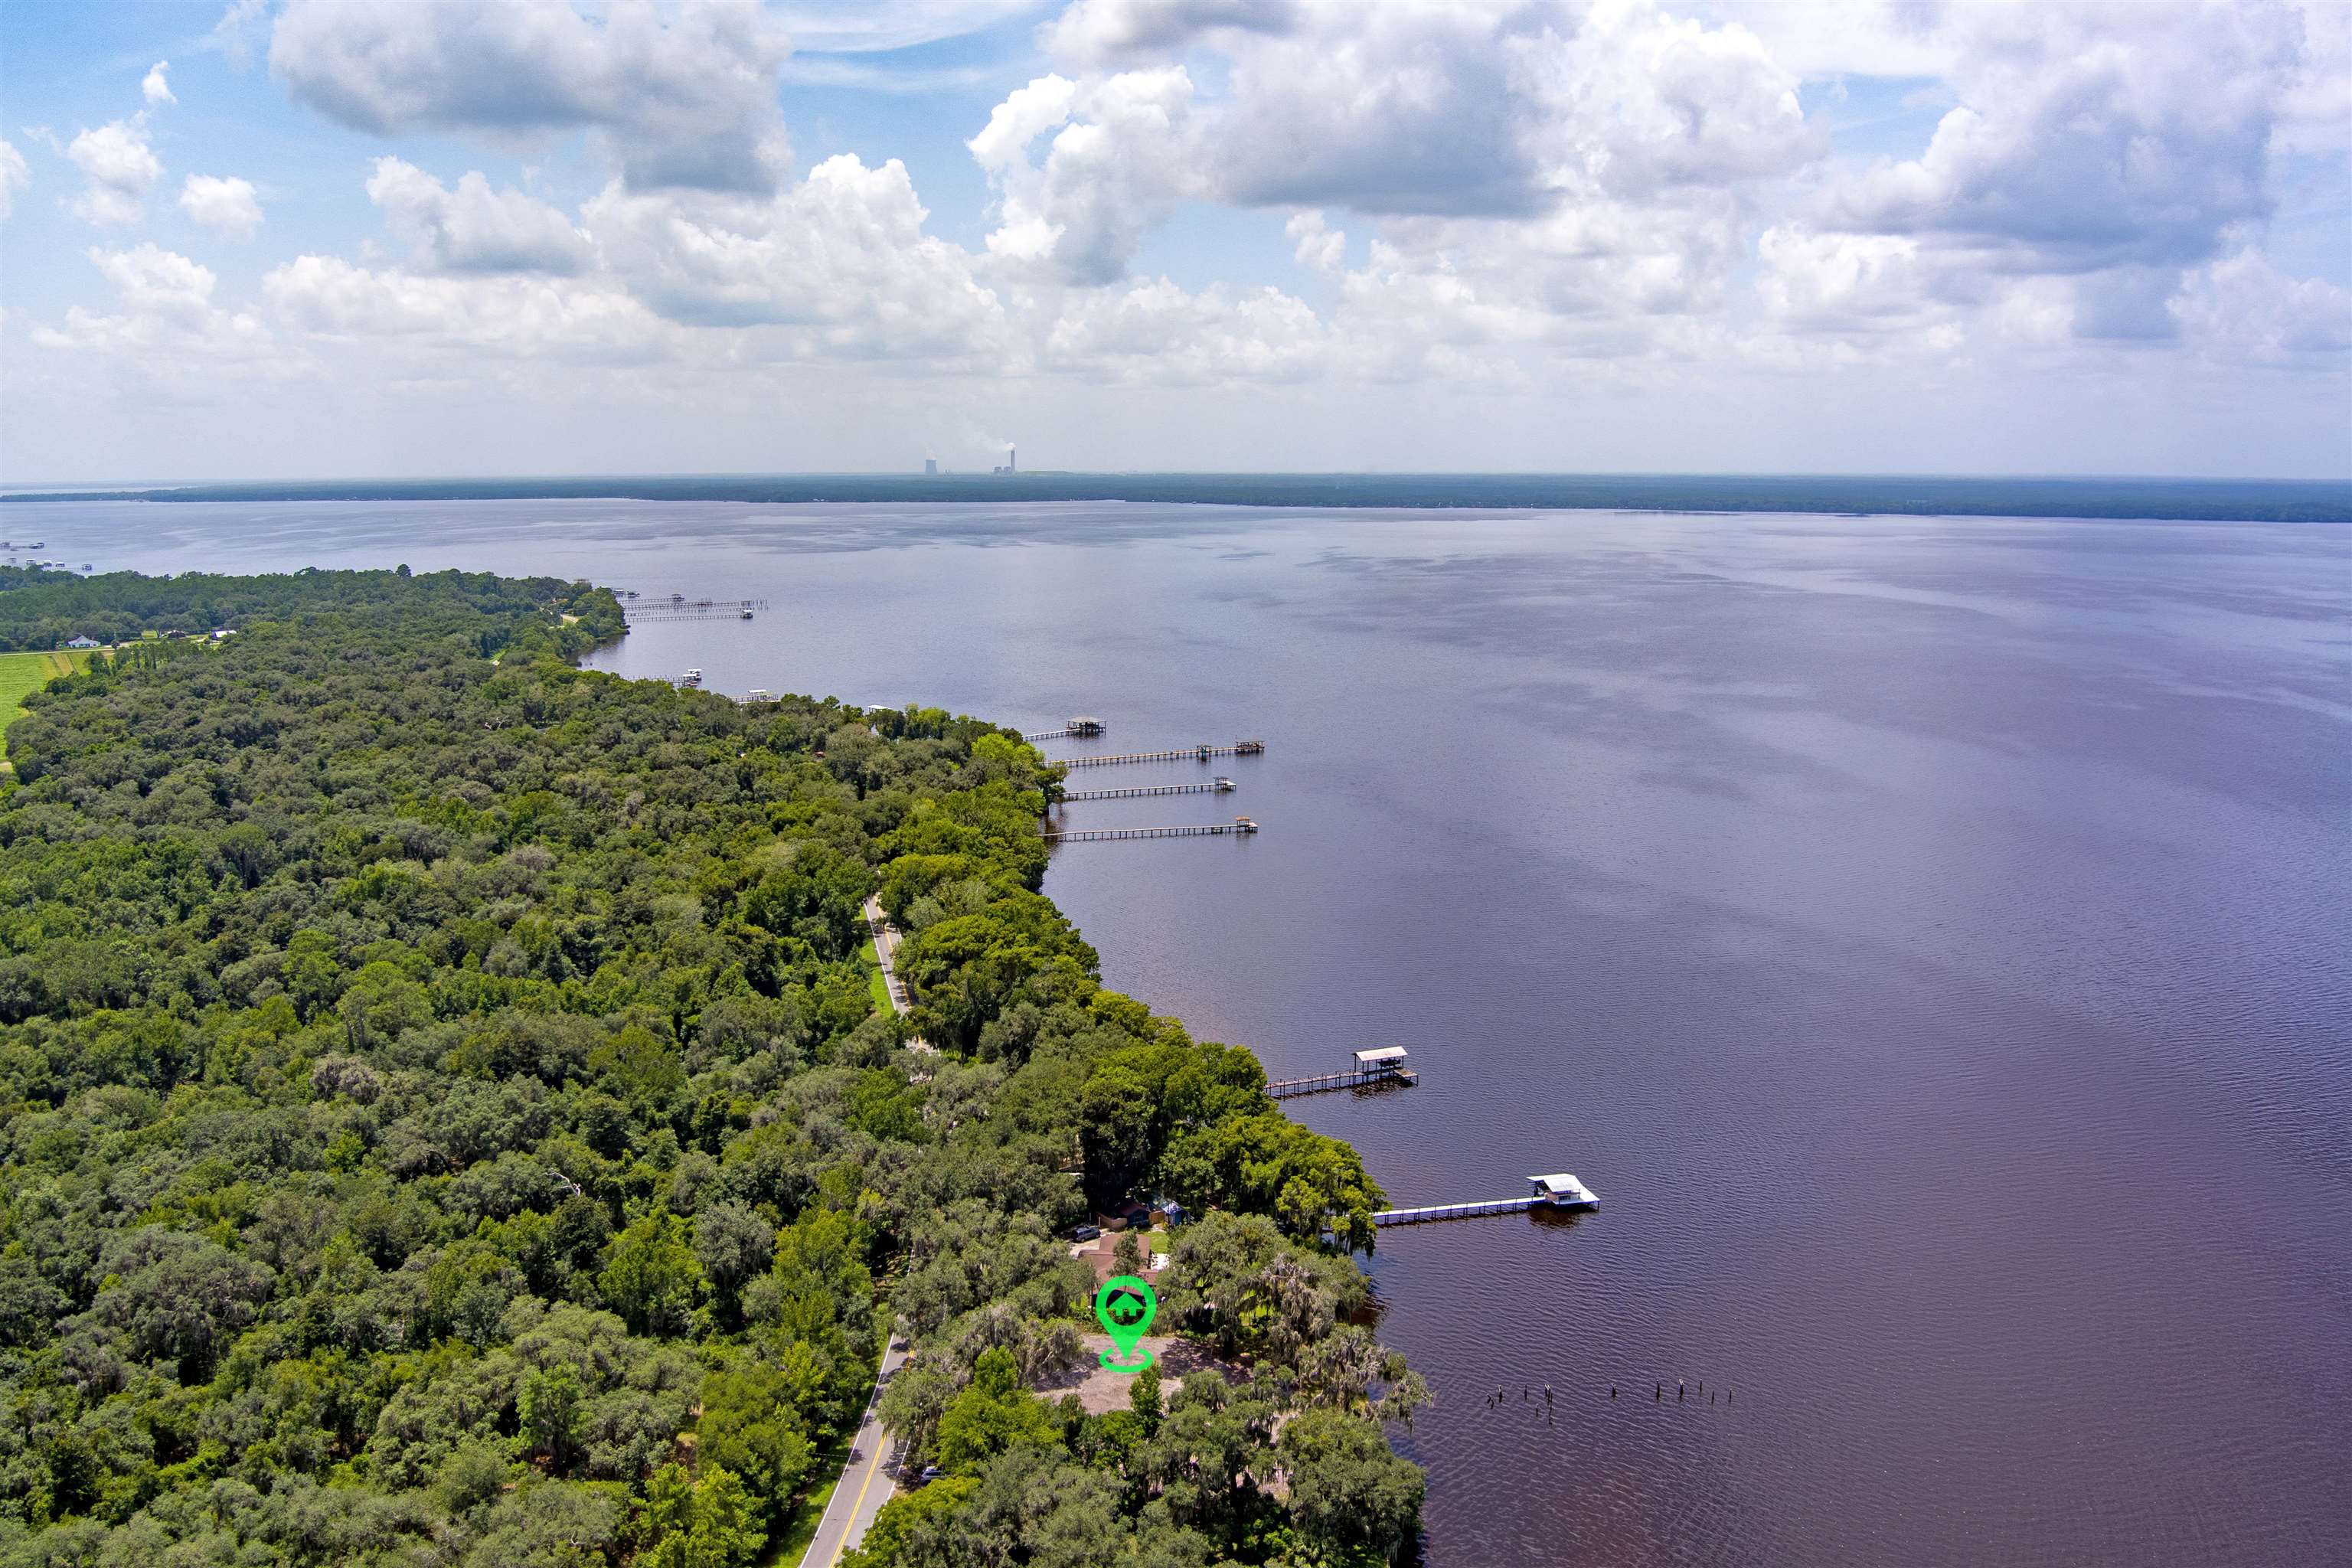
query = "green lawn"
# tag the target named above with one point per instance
(876, 986)
(22, 674)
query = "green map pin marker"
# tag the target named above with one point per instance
(1125, 1307)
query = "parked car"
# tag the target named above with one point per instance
(1086, 1233)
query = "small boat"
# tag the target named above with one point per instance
(692, 678)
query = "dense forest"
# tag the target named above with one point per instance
(447, 1122)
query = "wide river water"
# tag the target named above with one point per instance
(1930, 938)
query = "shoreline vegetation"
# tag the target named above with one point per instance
(2119, 497)
(447, 1119)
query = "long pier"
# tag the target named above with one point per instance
(1203, 753)
(678, 607)
(1079, 726)
(1093, 835)
(1562, 1191)
(1219, 787)
(1457, 1211)
(1323, 1083)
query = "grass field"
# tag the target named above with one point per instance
(22, 674)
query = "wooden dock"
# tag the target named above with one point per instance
(1201, 752)
(1219, 787)
(1560, 1191)
(679, 607)
(1091, 835)
(1081, 726)
(1456, 1211)
(1357, 1078)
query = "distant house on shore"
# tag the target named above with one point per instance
(84, 642)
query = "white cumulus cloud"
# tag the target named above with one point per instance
(1410, 109)
(166, 323)
(476, 229)
(2094, 136)
(1123, 150)
(222, 203)
(687, 95)
(120, 167)
(154, 88)
(1315, 242)
(841, 254)
(408, 315)
(2243, 305)
(1154, 332)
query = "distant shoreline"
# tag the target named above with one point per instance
(2201, 500)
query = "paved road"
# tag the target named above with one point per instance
(886, 951)
(865, 1486)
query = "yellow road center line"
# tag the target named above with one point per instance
(873, 1463)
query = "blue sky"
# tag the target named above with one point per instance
(410, 236)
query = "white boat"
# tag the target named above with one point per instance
(691, 677)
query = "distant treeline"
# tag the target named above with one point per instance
(2218, 500)
(40, 609)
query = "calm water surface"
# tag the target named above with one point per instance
(1928, 937)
